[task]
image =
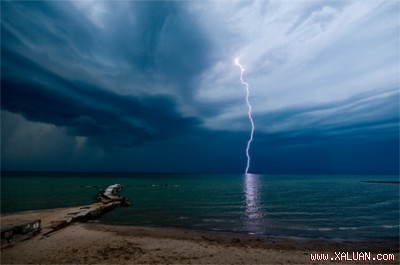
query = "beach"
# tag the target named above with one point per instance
(93, 243)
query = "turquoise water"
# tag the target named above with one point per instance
(334, 207)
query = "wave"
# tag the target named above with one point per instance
(324, 228)
(348, 228)
(215, 220)
(388, 202)
(390, 226)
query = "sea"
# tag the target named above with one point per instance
(337, 207)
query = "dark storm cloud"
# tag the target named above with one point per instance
(45, 23)
(43, 43)
(158, 78)
(162, 38)
(85, 110)
(134, 41)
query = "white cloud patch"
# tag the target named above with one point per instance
(94, 10)
(303, 53)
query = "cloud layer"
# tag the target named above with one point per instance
(156, 80)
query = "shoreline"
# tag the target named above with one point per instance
(9, 216)
(265, 241)
(108, 226)
(96, 243)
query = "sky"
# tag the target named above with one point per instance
(151, 86)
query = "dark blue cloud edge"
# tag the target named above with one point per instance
(105, 117)
(166, 42)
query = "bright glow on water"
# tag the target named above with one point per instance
(254, 220)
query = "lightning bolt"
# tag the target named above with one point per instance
(249, 112)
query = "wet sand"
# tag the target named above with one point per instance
(93, 243)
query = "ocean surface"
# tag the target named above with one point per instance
(317, 206)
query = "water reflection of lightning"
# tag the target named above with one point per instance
(255, 221)
(249, 112)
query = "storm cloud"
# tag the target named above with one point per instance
(84, 110)
(151, 85)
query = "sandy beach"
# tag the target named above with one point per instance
(92, 243)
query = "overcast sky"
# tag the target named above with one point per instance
(152, 86)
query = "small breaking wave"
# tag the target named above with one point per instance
(390, 226)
